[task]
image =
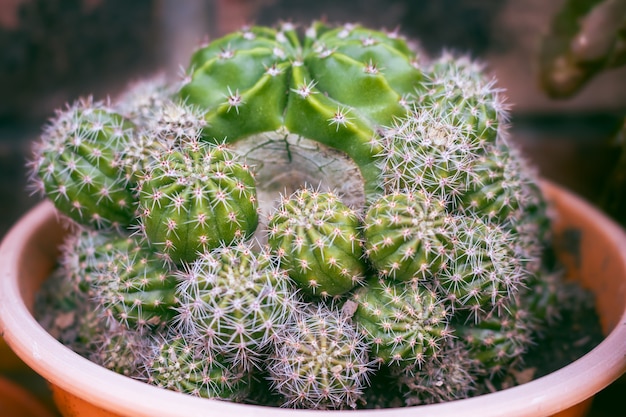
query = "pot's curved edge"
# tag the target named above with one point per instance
(48, 357)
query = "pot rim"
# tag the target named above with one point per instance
(71, 372)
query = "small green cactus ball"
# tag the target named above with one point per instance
(317, 238)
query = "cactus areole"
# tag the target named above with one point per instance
(336, 86)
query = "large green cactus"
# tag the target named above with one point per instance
(336, 86)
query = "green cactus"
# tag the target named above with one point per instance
(482, 272)
(406, 236)
(321, 361)
(402, 201)
(317, 239)
(428, 151)
(77, 165)
(404, 323)
(337, 86)
(116, 347)
(503, 190)
(235, 299)
(499, 339)
(135, 288)
(84, 252)
(459, 87)
(196, 198)
(184, 366)
(452, 374)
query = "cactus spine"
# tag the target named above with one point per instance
(236, 300)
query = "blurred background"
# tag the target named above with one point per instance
(54, 51)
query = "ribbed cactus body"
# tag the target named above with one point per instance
(459, 87)
(500, 339)
(403, 322)
(135, 288)
(235, 299)
(406, 236)
(196, 198)
(321, 361)
(482, 272)
(77, 164)
(181, 365)
(169, 125)
(85, 252)
(451, 375)
(317, 238)
(341, 84)
(117, 348)
(503, 190)
(428, 151)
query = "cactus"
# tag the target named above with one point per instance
(181, 365)
(76, 164)
(235, 299)
(194, 199)
(322, 361)
(341, 85)
(406, 236)
(316, 237)
(428, 151)
(459, 87)
(482, 273)
(135, 288)
(499, 339)
(403, 322)
(84, 252)
(402, 203)
(450, 375)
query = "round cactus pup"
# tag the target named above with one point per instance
(426, 151)
(316, 237)
(459, 86)
(452, 374)
(235, 299)
(189, 367)
(135, 288)
(403, 322)
(196, 198)
(77, 165)
(499, 339)
(482, 272)
(406, 236)
(321, 361)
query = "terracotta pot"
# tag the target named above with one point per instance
(597, 260)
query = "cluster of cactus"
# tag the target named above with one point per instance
(419, 280)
